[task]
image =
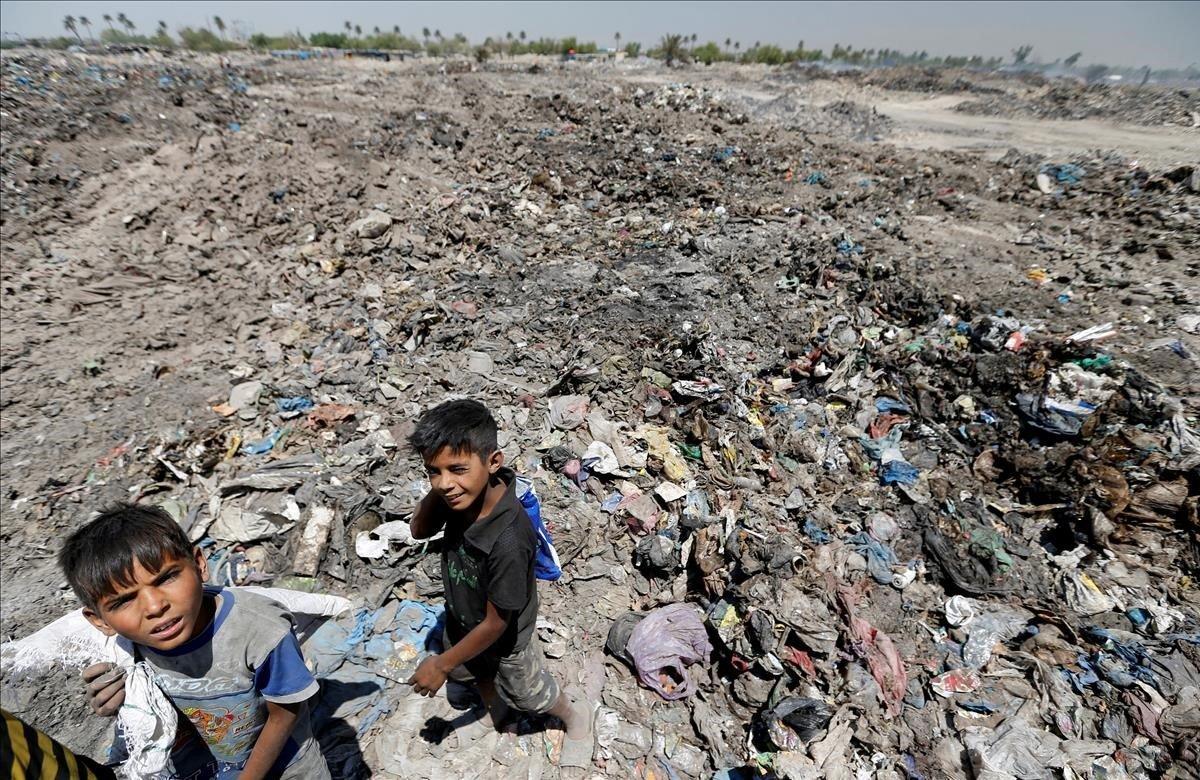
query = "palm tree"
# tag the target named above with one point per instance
(425, 34)
(220, 23)
(358, 31)
(349, 27)
(522, 36)
(672, 47)
(162, 29)
(395, 29)
(437, 34)
(88, 24)
(108, 20)
(69, 23)
(377, 29)
(693, 38)
(737, 45)
(728, 42)
(617, 35)
(124, 21)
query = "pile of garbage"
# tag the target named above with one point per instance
(908, 78)
(682, 97)
(815, 516)
(1143, 105)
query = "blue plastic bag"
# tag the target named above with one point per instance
(545, 562)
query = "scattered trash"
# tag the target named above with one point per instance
(875, 512)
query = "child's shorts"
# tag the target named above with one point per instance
(521, 678)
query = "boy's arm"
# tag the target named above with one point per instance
(433, 671)
(428, 519)
(286, 684)
(281, 719)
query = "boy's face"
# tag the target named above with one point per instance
(161, 609)
(461, 478)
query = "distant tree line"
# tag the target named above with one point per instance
(674, 48)
(682, 48)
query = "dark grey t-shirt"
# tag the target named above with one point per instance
(491, 560)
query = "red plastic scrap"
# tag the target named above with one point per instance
(880, 654)
(801, 659)
(880, 426)
(1016, 340)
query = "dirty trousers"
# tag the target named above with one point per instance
(521, 678)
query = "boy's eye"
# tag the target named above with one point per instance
(117, 604)
(459, 469)
(167, 576)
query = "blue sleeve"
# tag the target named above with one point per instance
(283, 678)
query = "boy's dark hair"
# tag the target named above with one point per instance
(99, 557)
(463, 426)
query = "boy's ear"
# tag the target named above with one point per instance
(201, 564)
(101, 625)
(495, 461)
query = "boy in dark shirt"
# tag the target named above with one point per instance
(487, 573)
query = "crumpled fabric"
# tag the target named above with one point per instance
(664, 644)
(1015, 750)
(880, 557)
(147, 721)
(881, 656)
(1082, 595)
(568, 412)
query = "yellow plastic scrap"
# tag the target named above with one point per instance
(1086, 580)
(235, 443)
(729, 621)
(660, 448)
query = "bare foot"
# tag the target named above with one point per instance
(579, 741)
(576, 723)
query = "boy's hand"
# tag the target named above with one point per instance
(105, 686)
(429, 677)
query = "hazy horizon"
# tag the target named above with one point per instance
(1161, 34)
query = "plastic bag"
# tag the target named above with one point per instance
(147, 720)
(796, 721)
(546, 565)
(664, 644)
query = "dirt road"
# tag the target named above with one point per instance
(932, 123)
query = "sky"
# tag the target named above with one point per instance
(1157, 33)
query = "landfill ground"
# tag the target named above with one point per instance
(790, 348)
